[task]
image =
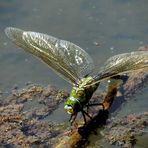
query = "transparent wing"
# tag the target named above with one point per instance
(67, 59)
(122, 63)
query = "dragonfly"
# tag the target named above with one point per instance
(75, 65)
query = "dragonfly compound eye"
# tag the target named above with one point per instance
(72, 105)
(69, 109)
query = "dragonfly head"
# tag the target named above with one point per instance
(72, 105)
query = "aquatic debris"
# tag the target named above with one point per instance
(25, 94)
(10, 118)
(124, 131)
(9, 109)
(28, 133)
(20, 127)
(134, 83)
(143, 48)
(51, 96)
(97, 44)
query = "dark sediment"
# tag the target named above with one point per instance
(124, 131)
(22, 128)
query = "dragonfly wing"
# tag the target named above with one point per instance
(67, 59)
(122, 63)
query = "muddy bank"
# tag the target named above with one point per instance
(21, 126)
(124, 131)
(22, 117)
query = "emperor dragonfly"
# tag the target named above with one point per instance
(75, 65)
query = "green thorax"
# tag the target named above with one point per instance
(81, 95)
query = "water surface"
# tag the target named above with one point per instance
(117, 26)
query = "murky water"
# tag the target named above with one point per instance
(117, 26)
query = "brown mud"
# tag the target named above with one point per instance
(22, 116)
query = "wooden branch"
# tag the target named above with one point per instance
(79, 136)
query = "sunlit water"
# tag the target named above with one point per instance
(117, 26)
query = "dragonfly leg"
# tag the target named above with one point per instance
(72, 118)
(84, 117)
(87, 106)
(95, 104)
(87, 114)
